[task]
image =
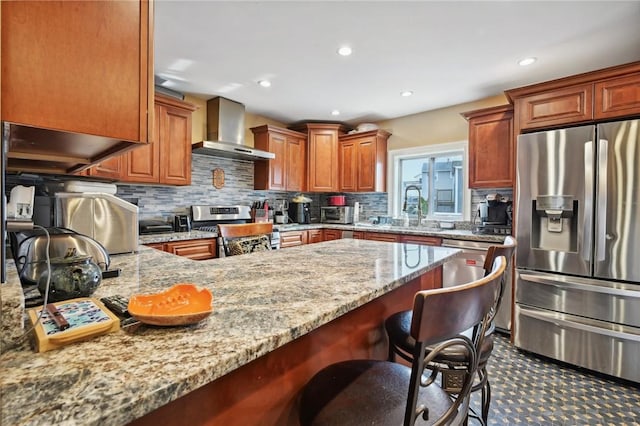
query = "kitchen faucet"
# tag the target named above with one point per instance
(404, 207)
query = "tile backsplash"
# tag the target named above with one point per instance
(163, 202)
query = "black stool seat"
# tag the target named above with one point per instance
(370, 393)
(398, 328)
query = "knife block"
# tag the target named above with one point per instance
(259, 215)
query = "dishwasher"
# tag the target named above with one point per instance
(469, 266)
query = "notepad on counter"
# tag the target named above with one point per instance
(86, 318)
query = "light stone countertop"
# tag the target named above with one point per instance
(457, 234)
(261, 302)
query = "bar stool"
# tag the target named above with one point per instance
(360, 392)
(451, 363)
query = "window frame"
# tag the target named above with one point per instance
(394, 197)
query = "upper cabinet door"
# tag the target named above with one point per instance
(556, 107)
(491, 150)
(366, 162)
(295, 163)
(363, 161)
(287, 170)
(322, 154)
(175, 146)
(277, 173)
(323, 160)
(618, 97)
(348, 166)
(78, 66)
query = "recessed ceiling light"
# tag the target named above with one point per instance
(406, 93)
(345, 51)
(335, 112)
(264, 83)
(527, 61)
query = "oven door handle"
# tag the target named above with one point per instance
(564, 285)
(556, 319)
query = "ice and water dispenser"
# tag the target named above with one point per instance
(554, 223)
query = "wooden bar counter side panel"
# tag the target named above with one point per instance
(265, 391)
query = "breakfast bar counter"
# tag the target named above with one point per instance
(278, 317)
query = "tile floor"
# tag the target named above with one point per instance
(530, 390)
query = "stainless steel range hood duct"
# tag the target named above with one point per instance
(225, 133)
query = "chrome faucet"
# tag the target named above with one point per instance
(404, 207)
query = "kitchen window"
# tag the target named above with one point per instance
(439, 172)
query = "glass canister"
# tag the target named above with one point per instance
(71, 277)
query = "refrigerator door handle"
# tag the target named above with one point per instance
(569, 285)
(560, 321)
(587, 224)
(601, 221)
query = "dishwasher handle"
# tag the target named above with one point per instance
(478, 246)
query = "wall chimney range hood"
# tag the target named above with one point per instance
(225, 133)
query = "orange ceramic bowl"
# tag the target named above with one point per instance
(178, 305)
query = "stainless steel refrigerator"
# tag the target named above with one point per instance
(578, 258)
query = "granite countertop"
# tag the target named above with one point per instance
(175, 236)
(457, 234)
(261, 302)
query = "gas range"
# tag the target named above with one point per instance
(207, 218)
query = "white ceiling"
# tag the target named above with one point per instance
(446, 52)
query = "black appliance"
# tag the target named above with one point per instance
(300, 212)
(148, 226)
(182, 223)
(495, 214)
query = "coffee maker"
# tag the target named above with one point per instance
(495, 215)
(300, 212)
(281, 211)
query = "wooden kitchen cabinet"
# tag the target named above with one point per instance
(583, 98)
(201, 249)
(322, 154)
(617, 97)
(293, 238)
(381, 236)
(332, 234)
(358, 235)
(286, 172)
(362, 159)
(419, 239)
(557, 107)
(315, 236)
(173, 139)
(83, 68)
(491, 147)
(112, 168)
(167, 159)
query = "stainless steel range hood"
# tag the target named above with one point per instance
(225, 133)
